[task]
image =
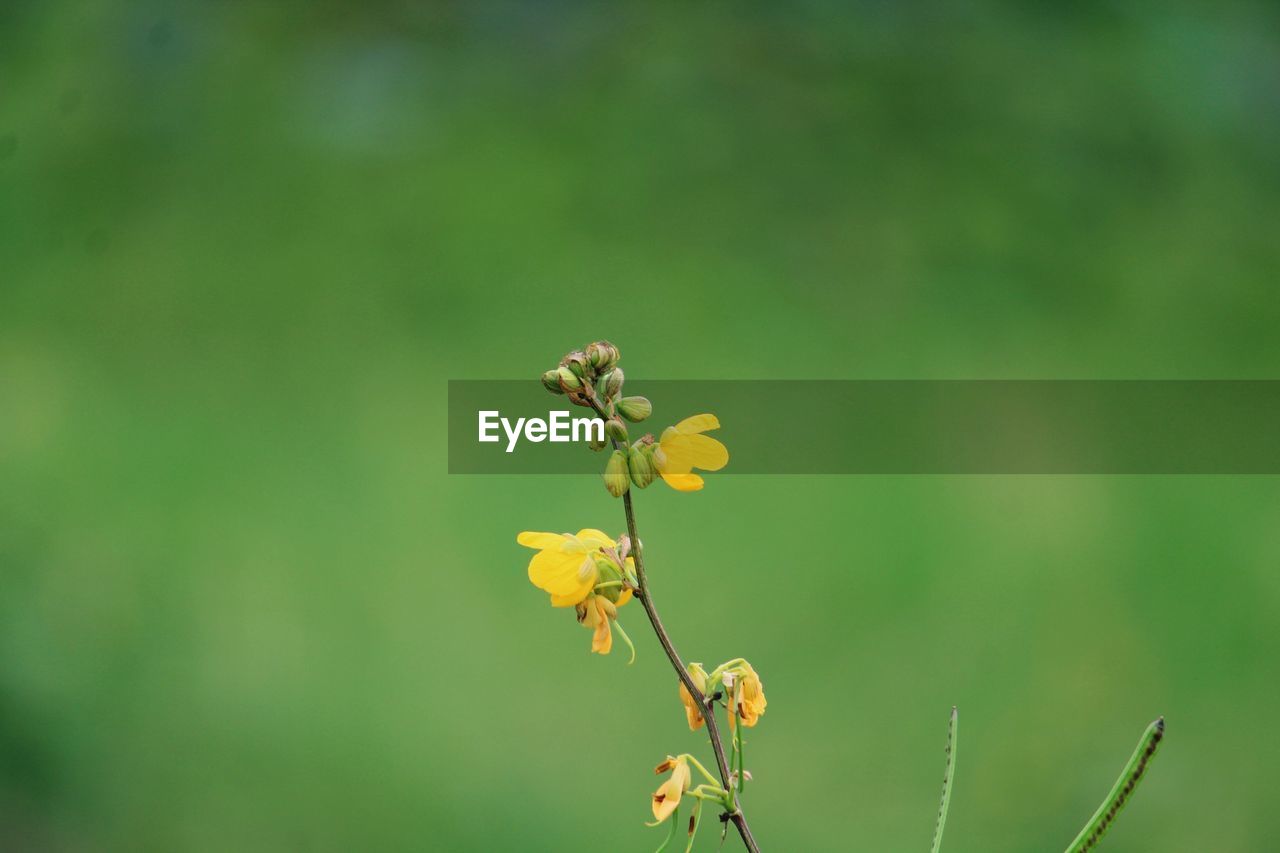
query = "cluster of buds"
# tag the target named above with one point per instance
(590, 377)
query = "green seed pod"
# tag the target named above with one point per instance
(608, 573)
(640, 463)
(616, 477)
(551, 381)
(569, 381)
(635, 409)
(612, 382)
(615, 429)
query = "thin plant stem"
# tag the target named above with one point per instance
(953, 731)
(1121, 791)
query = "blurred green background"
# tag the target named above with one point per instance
(243, 245)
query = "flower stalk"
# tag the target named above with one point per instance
(733, 807)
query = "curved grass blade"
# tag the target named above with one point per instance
(1121, 791)
(953, 728)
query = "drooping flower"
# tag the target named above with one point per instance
(691, 708)
(565, 565)
(746, 694)
(581, 571)
(667, 798)
(595, 612)
(683, 447)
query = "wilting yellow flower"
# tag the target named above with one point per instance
(683, 447)
(565, 564)
(691, 708)
(667, 798)
(595, 613)
(746, 694)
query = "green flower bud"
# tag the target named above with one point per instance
(577, 362)
(551, 381)
(635, 409)
(616, 477)
(597, 445)
(611, 382)
(602, 355)
(640, 464)
(615, 429)
(569, 381)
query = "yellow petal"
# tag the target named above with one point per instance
(594, 539)
(570, 599)
(676, 456)
(683, 482)
(691, 709)
(666, 799)
(624, 597)
(682, 775)
(530, 539)
(602, 639)
(562, 574)
(707, 453)
(698, 423)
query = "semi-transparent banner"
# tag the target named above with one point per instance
(894, 427)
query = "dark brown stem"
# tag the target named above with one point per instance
(708, 713)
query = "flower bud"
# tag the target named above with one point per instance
(616, 477)
(602, 355)
(578, 363)
(597, 445)
(612, 382)
(569, 381)
(640, 464)
(635, 409)
(551, 381)
(615, 429)
(659, 457)
(698, 675)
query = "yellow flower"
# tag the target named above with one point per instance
(667, 798)
(691, 709)
(569, 567)
(565, 564)
(747, 695)
(683, 448)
